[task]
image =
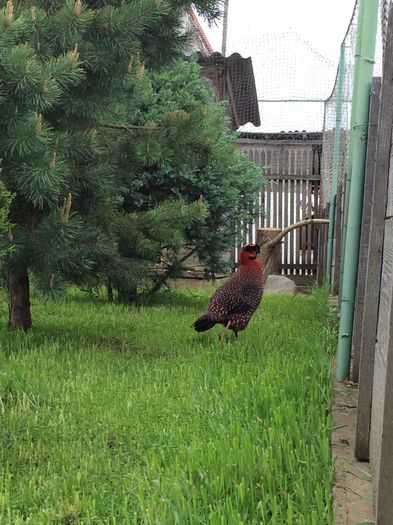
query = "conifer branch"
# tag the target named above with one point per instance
(9, 12)
(127, 127)
(66, 208)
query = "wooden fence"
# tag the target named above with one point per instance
(291, 164)
(373, 327)
(372, 338)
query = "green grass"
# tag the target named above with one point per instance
(114, 414)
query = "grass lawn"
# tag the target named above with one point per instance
(114, 414)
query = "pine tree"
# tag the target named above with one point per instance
(174, 144)
(148, 244)
(186, 151)
(5, 203)
(68, 72)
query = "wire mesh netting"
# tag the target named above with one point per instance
(337, 128)
(337, 119)
(337, 115)
(384, 20)
(277, 103)
(291, 123)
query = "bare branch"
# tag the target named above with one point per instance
(283, 233)
(187, 256)
(163, 277)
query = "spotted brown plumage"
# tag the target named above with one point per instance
(234, 303)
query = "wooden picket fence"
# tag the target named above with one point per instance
(291, 164)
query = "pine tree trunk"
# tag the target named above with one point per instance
(109, 290)
(19, 316)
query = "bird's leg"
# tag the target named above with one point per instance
(222, 336)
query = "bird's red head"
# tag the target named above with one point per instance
(249, 256)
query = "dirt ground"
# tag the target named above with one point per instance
(353, 491)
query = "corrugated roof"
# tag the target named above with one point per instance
(241, 90)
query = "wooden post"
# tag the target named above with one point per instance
(270, 258)
(366, 224)
(338, 227)
(382, 444)
(321, 252)
(374, 258)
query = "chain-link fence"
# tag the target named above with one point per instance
(336, 136)
(337, 116)
(281, 92)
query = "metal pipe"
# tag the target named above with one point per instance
(368, 12)
(358, 51)
(336, 163)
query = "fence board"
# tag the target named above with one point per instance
(275, 206)
(280, 203)
(366, 224)
(291, 221)
(285, 243)
(374, 257)
(298, 219)
(267, 204)
(304, 229)
(310, 227)
(338, 239)
(383, 374)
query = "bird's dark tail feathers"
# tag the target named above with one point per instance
(203, 323)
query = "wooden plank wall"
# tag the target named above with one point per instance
(292, 193)
(338, 236)
(366, 228)
(373, 328)
(365, 329)
(376, 351)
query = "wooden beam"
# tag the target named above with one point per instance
(366, 225)
(383, 405)
(376, 235)
(338, 239)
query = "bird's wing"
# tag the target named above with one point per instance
(229, 299)
(245, 300)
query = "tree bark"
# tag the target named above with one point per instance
(19, 315)
(285, 232)
(269, 240)
(109, 290)
(269, 257)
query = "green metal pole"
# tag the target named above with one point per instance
(361, 89)
(336, 163)
(358, 52)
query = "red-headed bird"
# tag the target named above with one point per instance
(234, 303)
